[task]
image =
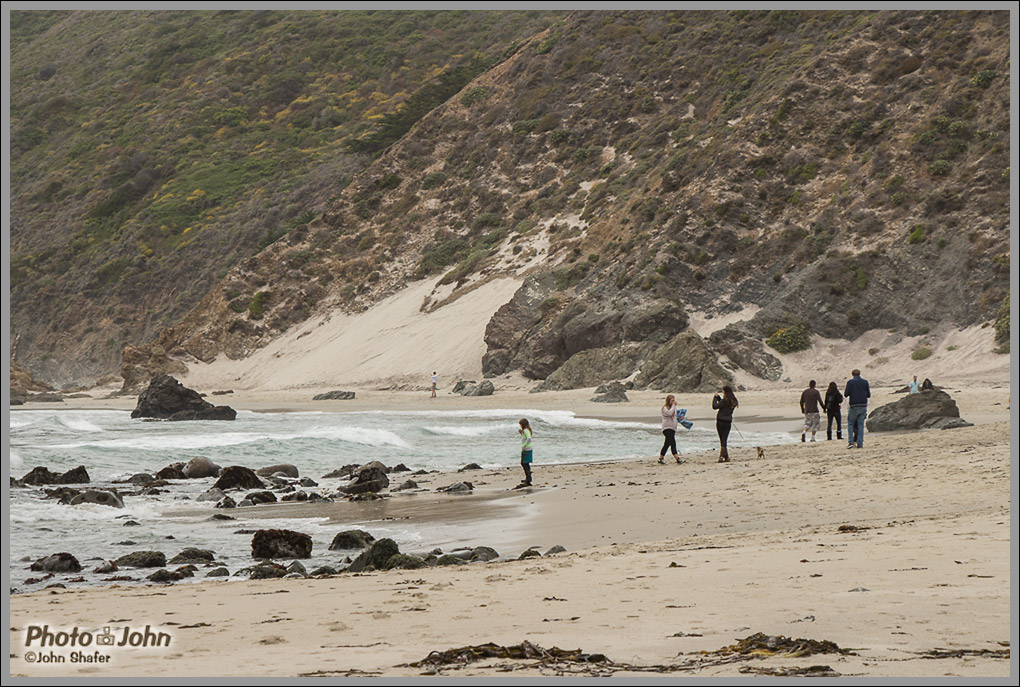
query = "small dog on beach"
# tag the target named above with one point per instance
(761, 452)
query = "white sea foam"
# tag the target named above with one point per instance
(469, 430)
(18, 422)
(17, 462)
(78, 424)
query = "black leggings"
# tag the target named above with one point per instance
(839, 428)
(669, 443)
(723, 427)
(527, 472)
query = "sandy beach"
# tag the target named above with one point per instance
(662, 563)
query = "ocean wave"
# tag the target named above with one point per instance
(16, 461)
(18, 423)
(78, 424)
(468, 430)
(35, 511)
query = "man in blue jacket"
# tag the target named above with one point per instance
(857, 394)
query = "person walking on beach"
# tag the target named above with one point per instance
(525, 432)
(857, 394)
(725, 404)
(914, 386)
(669, 429)
(810, 399)
(926, 385)
(435, 380)
(832, 402)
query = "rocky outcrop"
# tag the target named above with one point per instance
(334, 396)
(614, 392)
(345, 471)
(924, 410)
(468, 388)
(281, 544)
(376, 556)
(748, 352)
(595, 366)
(238, 477)
(532, 333)
(350, 540)
(105, 498)
(286, 468)
(42, 475)
(57, 563)
(172, 471)
(684, 365)
(193, 555)
(142, 559)
(257, 497)
(166, 398)
(200, 467)
(370, 477)
(140, 365)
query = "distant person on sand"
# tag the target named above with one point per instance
(810, 399)
(926, 385)
(435, 380)
(833, 399)
(857, 394)
(525, 432)
(668, 412)
(725, 404)
(914, 386)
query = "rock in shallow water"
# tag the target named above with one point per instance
(281, 544)
(142, 559)
(57, 562)
(238, 477)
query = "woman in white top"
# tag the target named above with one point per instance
(669, 429)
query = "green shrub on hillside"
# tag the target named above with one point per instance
(257, 307)
(790, 339)
(917, 235)
(983, 79)
(1002, 327)
(921, 353)
(444, 251)
(475, 94)
(433, 180)
(939, 168)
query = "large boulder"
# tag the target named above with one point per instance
(614, 392)
(166, 398)
(369, 477)
(285, 468)
(172, 471)
(57, 563)
(924, 410)
(105, 498)
(193, 555)
(199, 467)
(748, 352)
(238, 477)
(350, 540)
(684, 365)
(142, 559)
(483, 388)
(377, 556)
(281, 544)
(595, 366)
(42, 475)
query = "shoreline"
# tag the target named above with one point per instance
(756, 547)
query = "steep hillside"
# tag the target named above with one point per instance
(841, 171)
(152, 151)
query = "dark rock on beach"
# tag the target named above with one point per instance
(218, 572)
(350, 540)
(41, 475)
(193, 555)
(211, 494)
(267, 571)
(57, 563)
(345, 471)
(323, 570)
(370, 477)
(925, 410)
(166, 398)
(164, 576)
(401, 468)
(408, 484)
(614, 392)
(105, 568)
(377, 555)
(286, 468)
(62, 494)
(142, 559)
(483, 388)
(457, 488)
(238, 477)
(141, 478)
(334, 396)
(402, 561)
(226, 502)
(555, 549)
(281, 544)
(257, 497)
(530, 553)
(470, 466)
(483, 553)
(172, 471)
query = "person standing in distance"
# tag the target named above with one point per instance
(725, 404)
(809, 401)
(914, 386)
(857, 394)
(525, 432)
(435, 380)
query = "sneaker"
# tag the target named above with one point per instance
(812, 438)
(662, 461)
(802, 437)
(680, 461)
(850, 446)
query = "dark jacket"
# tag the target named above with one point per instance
(857, 391)
(833, 399)
(724, 407)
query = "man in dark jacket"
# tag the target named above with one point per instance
(857, 394)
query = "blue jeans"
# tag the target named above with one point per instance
(855, 424)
